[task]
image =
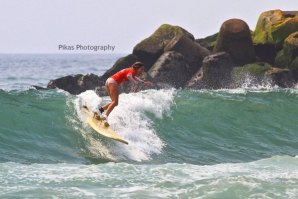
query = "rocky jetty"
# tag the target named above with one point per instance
(174, 58)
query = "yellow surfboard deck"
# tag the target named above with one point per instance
(100, 128)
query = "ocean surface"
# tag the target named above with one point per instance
(238, 143)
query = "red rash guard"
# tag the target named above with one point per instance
(121, 76)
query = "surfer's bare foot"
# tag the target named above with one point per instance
(105, 120)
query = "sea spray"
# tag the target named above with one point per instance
(129, 119)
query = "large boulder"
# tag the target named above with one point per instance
(214, 74)
(192, 51)
(120, 64)
(274, 26)
(151, 48)
(75, 84)
(289, 52)
(235, 38)
(272, 29)
(171, 69)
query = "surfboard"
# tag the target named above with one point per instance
(99, 127)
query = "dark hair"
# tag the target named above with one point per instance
(137, 65)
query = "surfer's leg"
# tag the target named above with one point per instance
(105, 107)
(108, 82)
(114, 94)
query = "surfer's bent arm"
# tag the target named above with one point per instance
(146, 83)
(139, 79)
(133, 80)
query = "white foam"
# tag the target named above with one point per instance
(89, 98)
(275, 177)
(130, 120)
(249, 85)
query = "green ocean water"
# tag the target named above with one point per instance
(201, 144)
(239, 143)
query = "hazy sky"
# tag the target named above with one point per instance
(40, 26)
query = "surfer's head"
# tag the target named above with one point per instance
(138, 67)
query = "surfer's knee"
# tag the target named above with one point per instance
(115, 103)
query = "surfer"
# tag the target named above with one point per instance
(131, 74)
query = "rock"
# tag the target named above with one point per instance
(89, 82)
(294, 68)
(120, 64)
(208, 42)
(250, 74)
(265, 52)
(274, 26)
(75, 84)
(196, 82)
(280, 77)
(192, 51)
(150, 49)
(68, 83)
(235, 38)
(289, 52)
(215, 72)
(171, 69)
(272, 29)
(34, 87)
(260, 73)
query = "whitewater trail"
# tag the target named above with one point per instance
(129, 120)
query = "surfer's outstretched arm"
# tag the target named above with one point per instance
(136, 80)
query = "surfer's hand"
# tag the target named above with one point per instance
(147, 83)
(135, 88)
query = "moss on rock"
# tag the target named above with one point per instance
(208, 42)
(274, 26)
(150, 49)
(163, 35)
(289, 53)
(255, 69)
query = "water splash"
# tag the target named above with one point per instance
(130, 120)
